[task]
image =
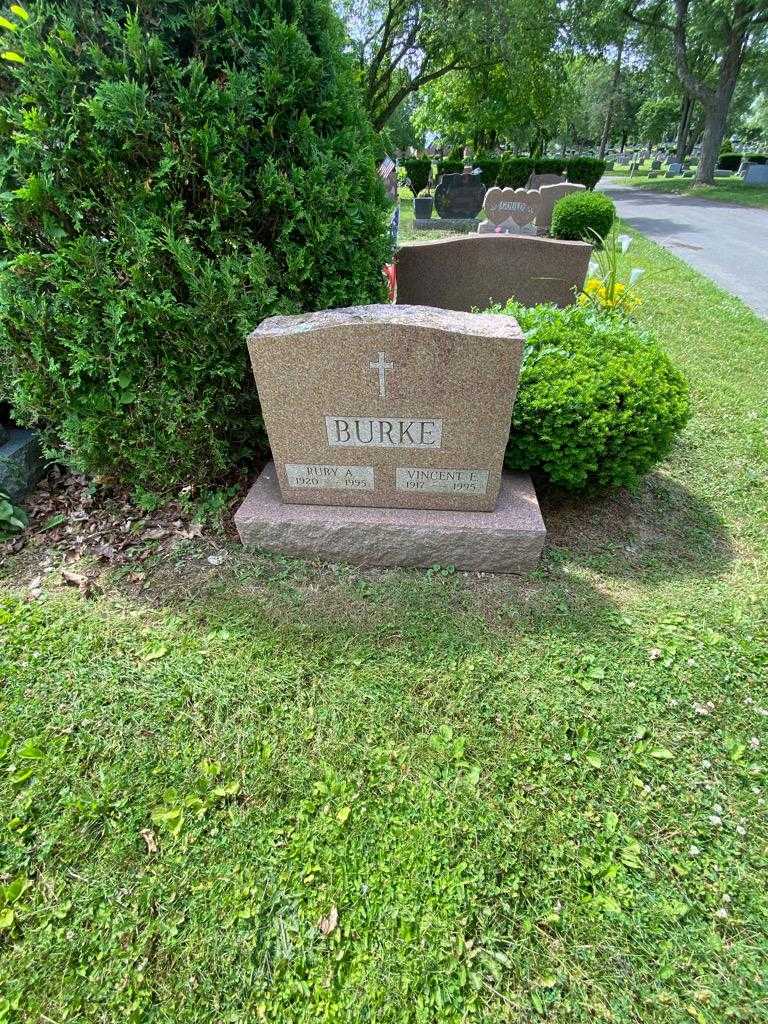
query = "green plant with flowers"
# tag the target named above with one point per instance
(610, 283)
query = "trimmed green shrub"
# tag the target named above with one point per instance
(515, 171)
(450, 167)
(599, 402)
(583, 216)
(549, 165)
(729, 161)
(585, 170)
(490, 168)
(419, 171)
(170, 178)
(756, 158)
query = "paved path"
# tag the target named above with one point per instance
(726, 242)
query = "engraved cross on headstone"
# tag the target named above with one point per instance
(382, 366)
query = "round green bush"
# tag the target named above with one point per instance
(583, 216)
(170, 178)
(599, 402)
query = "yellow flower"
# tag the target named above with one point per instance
(619, 296)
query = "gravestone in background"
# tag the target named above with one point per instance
(388, 426)
(459, 196)
(21, 458)
(475, 271)
(549, 195)
(756, 174)
(537, 180)
(509, 211)
(674, 169)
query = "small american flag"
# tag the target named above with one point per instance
(386, 167)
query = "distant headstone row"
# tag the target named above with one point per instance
(460, 197)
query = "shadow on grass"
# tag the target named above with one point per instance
(434, 614)
(663, 530)
(661, 533)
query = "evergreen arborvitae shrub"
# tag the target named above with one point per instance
(549, 165)
(583, 216)
(170, 178)
(450, 167)
(515, 171)
(419, 173)
(490, 167)
(729, 161)
(585, 170)
(599, 402)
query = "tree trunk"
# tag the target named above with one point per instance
(714, 130)
(683, 127)
(695, 125)
(606, 137)
(716, 100)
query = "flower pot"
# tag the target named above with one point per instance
(422, 207)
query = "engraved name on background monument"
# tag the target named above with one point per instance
(434, 387)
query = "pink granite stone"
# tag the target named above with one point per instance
(507, 540)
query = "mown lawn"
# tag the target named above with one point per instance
(724, 190)
(407, 231)
(265, 790)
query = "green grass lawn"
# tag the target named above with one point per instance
(266, 790)
(408, 233)
(724, 190)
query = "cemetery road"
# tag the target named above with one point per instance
(724, 241)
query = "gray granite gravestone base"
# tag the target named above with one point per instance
(507, 540)
(21, 464)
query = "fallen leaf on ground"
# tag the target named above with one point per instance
(149, 838)
(328, 924)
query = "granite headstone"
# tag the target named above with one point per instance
(509, 211)
(537, 180)
(549, 195)
(757, 174)
(388, 406)
(477, 270)
(459, 196)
